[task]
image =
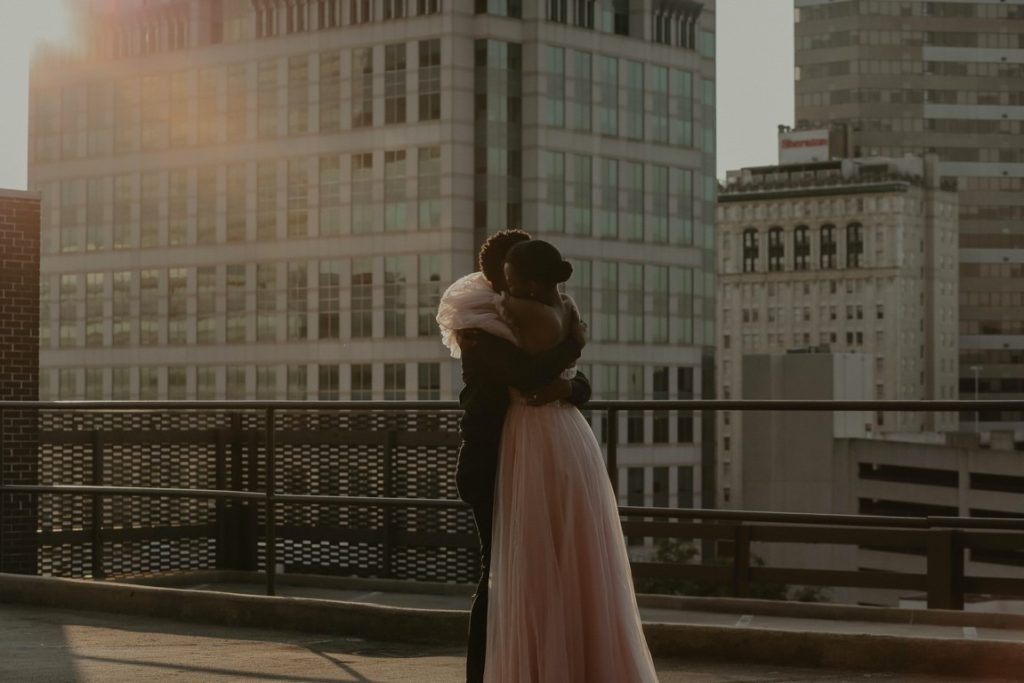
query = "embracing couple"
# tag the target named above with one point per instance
(555, 601)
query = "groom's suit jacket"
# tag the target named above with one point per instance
(490, 365)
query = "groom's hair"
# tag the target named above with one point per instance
(492, 255)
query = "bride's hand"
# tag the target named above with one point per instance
(579, 329)
(559, 390)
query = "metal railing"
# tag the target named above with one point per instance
(942, 540)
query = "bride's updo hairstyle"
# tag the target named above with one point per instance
(539, 261)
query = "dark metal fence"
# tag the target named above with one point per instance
(367, 489)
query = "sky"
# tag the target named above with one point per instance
(755, 78)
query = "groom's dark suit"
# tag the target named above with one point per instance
(490, 365)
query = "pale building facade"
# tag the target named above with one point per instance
(943, 77)
(844, 256)
(265, 200)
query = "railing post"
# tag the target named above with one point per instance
(613, 450)
(387, 514)
(945, 569)
(2, 494)
(271, 518)
(741, 561)
(97, 507)
(223, 536)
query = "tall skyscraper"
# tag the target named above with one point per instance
(265, 199)
(945, 77)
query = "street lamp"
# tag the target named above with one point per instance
(976, 369)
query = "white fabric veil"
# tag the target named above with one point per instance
(470, 303)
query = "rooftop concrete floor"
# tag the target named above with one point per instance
(43, 644)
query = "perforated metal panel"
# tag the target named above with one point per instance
(316, 452)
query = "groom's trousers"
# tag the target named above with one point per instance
(475, 477)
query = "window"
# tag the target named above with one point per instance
(776, 250)
(684, 392)
(394, 9)
(656, 290)
(429, 294)
(854, 245)
(266, 200)
(631, 280)
(177, 207)
(579, 190)
(235, 303)
(430, 80)
(149, 307)
(579, 96)
(330, 300)
(660, 393)
(236, 382)
(298, 94)
(329, 382)
(606, 106)
(429, 381)
(177, 383)
(394, 381)
(296, 379)
(362, 298)
(236, 198)
(266, 302)
(361, 382)
(656, 227)
(750, 250)
(394, 83)
(149, 384)
(631, 202)
(606, 199)
(395, 205)
(237, 103)
(206, 206)
(177, 305)
(659, 487)
(394, 296)
(684, 487)
(266, 382)
(658, 118)
(296, 298)
(330, 195)
(298, 200)
(361, 11)
(206, 383)
(631, 84)
(206, 304)
(428, 179)
(94, 297)
(362, 193)
(554, 87)
(635, 494)
(828, 247)
(635, 392)
(330, 92)
(149, 209)
(362, 84)
(552, 168)
(802, 248)
(266, 99)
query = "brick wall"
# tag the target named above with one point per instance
(19, 373)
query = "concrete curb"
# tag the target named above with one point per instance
(820, 610)
(371, 622)
(978, 658)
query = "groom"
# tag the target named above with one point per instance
(490, 365)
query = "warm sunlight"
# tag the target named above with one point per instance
(24, 25)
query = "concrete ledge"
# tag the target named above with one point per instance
(306, 580)
(979, 658)
(821, 610)
(372, 622)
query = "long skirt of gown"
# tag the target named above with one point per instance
(562, 607)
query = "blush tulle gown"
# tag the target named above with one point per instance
(562, 607)
(561, 604)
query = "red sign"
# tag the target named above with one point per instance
(812, 142)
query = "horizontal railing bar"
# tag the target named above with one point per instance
(694, 572)
(817, 534)
(783, 517)
(370, 501)
(625, 511)
(146, 491)
(993, 585)
(403, 406)
(679, 530)
(838, 577)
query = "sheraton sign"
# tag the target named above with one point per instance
(799, 146)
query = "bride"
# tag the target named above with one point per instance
(562, 607)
